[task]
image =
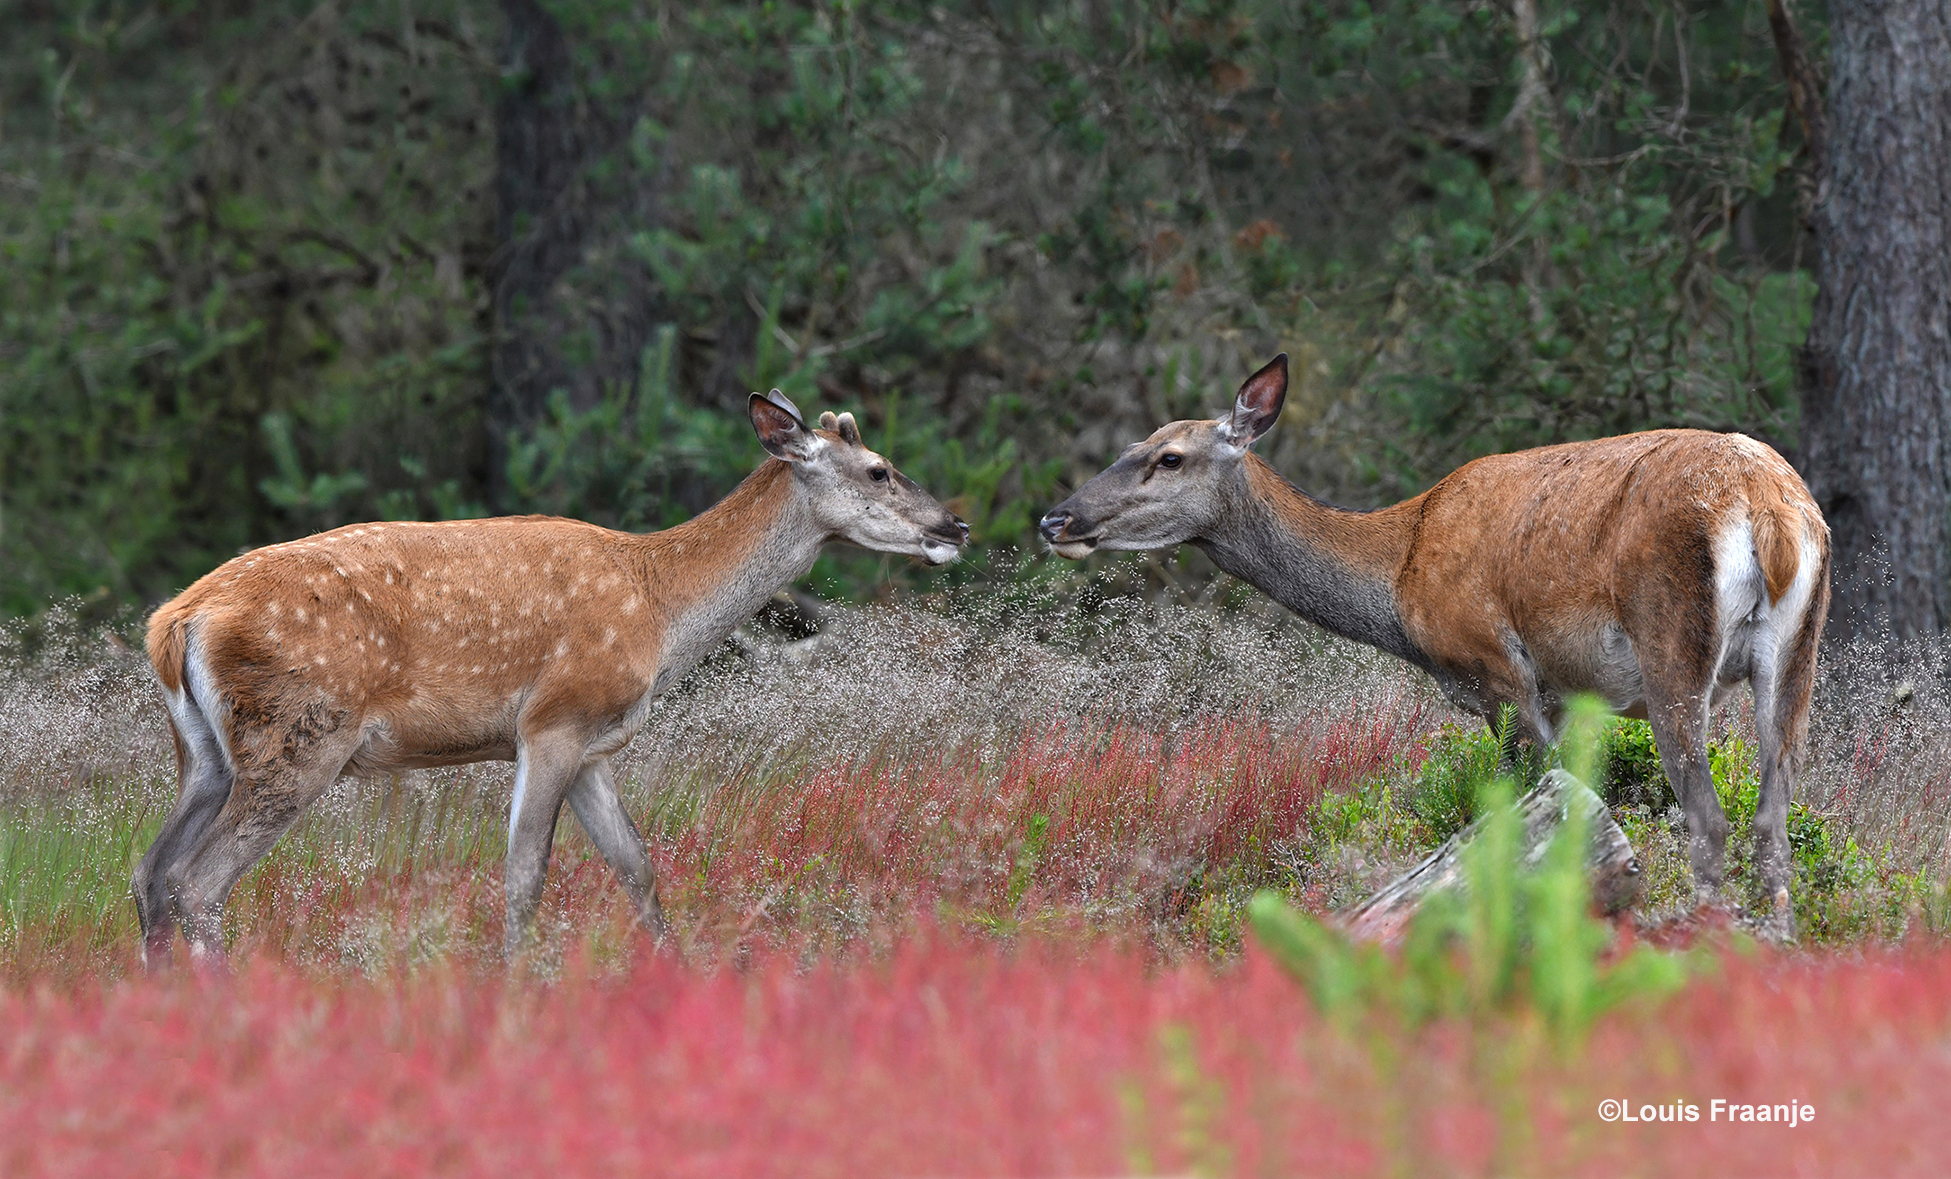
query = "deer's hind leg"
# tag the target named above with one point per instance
(1784, 684)
(1679, 650)
(203, 783)
(598, 808)
(279, 773)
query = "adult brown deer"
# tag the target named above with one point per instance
(1655, 569)
(380, 647)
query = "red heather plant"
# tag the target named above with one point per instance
(1104, 813)
(948, 1057)
(1093, 824)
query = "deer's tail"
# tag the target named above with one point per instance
(1778, 531)
(168, 643)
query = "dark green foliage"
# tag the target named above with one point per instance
(1822, 865)
(624, 460)
(1614, 275)
(1463, 761)
(253, 257)
(243, 252)
(1629, 767)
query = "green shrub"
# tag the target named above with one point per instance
(1516, 942)
(1513, 942)
(1462, 763)
(1840, 891)
(1629, 767)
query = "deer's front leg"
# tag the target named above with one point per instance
(545, 768)
(600, 811)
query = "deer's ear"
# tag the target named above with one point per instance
(780, 430)
(1257, 407)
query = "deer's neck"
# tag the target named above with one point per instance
(713, 572)
(1333, 567)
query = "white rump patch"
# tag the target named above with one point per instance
(201, 716)
(1755, 632)
(1740, 601)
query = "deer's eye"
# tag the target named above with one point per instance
(1171, 461)
(878, 474)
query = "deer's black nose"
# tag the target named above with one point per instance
(1053, 524)
(951, 528)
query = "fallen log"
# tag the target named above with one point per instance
(1611, 866)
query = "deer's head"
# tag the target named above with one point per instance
(1170, 488)
(856, 495)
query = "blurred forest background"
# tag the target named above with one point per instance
(272, 267)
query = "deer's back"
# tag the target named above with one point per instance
(437, 636)
(1558, 544)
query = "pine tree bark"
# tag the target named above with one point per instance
(1876, 416)
(572, 309)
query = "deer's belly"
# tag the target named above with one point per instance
(372, 760)
(1599, 660)
(432, 735)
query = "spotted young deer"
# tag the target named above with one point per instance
(1655, 569)
(380, 647)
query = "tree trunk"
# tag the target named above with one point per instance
(572, 309)
(1877, 365)
(1532, 105)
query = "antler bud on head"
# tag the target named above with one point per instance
(849, 432)
(828, 421)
